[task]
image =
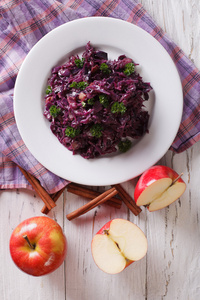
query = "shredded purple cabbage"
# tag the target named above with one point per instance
(81, 94)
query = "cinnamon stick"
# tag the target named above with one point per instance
(55, 197)
(46, 198)
(91, 194)
(128, 201)
(92, 204)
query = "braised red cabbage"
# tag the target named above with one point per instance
(95, 105)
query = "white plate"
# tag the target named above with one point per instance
(115, 37)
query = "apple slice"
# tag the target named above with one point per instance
(158, 187)
(117, 244)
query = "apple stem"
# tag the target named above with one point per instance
(29, 243)
(177, 178)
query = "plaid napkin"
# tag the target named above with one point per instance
(22, 24)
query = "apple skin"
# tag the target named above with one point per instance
(153, 175)
(138, 237)
(50, 246)
(105, 227)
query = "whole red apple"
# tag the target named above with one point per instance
(158, 187)
(118, 244)
(38, 246)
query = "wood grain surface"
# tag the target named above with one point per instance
(171, 268)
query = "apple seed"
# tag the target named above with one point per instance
(106, 231)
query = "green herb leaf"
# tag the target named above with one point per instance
(79, 85)
(82, 85)
(129, 69)
(124, 145)
(54, 111)
(96, 130)
(104, 68)
(91, 101)
(118, 107)
(103, 99)
(73, 84)
(48, 90)
(79, 62)
(71, 132)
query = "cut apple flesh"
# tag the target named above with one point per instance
(130, 239)
(106, 254)
(115, 248)
(168, 197)
(161, 193)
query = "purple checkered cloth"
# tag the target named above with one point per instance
(22, 24)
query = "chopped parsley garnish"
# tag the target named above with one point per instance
(79, 85)
(48, 90)
(90, 101)
(104, 68)
(124, 145)
(79, 62)
(103, 99)
(71, 132)
(82, 85)
(129, 69)
(54, 111)
(96, 130)
(118, 107)
(73, 84)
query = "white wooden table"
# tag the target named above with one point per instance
(171, 269)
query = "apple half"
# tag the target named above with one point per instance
(117, 244)
(158, 187)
